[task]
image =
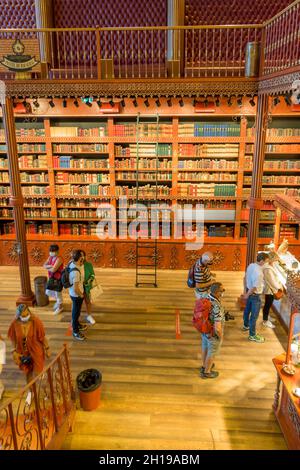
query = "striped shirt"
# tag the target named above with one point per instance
(202, 275)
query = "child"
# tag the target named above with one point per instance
(54, 266)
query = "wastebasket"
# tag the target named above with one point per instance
(89, 386)
(40, 291)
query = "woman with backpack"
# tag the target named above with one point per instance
(54, 266)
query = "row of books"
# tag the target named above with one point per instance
(206, 189)
(207, 176)
(206, 164)
(80, 148)
(77, 229)
(26, 148)
(86, 190)
(264, 215)
(285, 148)
(267, 205)
(26, 132)
(201, 129)
(66, 161)
(143, 164)
(209, 150)
(37, 212)
(276, 179)
(33, 161)
(31, 228)
(220, 230)
(276, 132)
(144, 191)
(83, 213)
(143, 176)
(62, 177)
(274, 164)
(6, 212)
(143, 150)
(4, 177)
(143, 130)
(69, 202)
(69, 131)
(34, 177)
(267, 192)
(35, 190)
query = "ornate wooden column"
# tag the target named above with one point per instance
(255, 201)
(175, 53)
(44, 19)
(16, 200)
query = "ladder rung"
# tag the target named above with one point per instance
(146, 265)
(145, 274)
(145, 256)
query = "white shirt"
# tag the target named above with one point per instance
(255, 277)
(76, 276)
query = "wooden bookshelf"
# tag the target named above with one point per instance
(213, 167)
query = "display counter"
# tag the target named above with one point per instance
(286, 405)
(282, 307)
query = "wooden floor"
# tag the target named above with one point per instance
(152, 396)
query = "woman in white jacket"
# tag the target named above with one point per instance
(272, 285)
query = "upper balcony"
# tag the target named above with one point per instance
(225, 53)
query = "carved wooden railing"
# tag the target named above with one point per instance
(282, 40)
(205, 51)
(41, 414)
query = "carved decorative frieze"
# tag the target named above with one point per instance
(278, 84)
(174, 258)
(218, 258)
(236, 263)
(130, 256)
(37, 254)
(159, 87)
(292, 412)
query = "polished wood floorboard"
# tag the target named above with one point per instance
(152, 396)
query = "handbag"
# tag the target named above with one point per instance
(54, 284)
(278, 295)
(96, 291)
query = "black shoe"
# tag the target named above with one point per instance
(210, 375)
(228, 316)
(202, 369)
(82, 327)
(79, 336)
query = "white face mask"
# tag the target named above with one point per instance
(25, 319)
(52, 253)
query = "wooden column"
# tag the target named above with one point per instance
(255, 202)
(44, 19)
(175, 44)
(16, 200)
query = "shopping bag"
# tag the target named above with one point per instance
(96, 291)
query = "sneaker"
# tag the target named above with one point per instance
(90, 319)
(268, 324)
(213, 374)
(79, 336)
(58, 310)
(202, 369)
(245, 328)
(257, 338)
(82, 327)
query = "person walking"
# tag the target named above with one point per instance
(272, 285)
(54, 266)
(202, 274)
(76, 292)
(254, 282)
(30, 345)
(211, 343)
(89, 277)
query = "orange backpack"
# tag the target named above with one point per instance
(201, 319)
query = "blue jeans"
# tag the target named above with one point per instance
(76, 310)
(252, 310)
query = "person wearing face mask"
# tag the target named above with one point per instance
(30, 345)
(202, 274)
(254, 283)
(211, 343)
(76, 292)
(54, 266)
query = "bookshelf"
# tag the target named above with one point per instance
(71, 164)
